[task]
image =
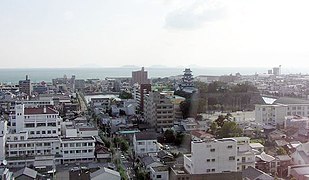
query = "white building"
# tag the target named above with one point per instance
(36, 131)
(145, 142)
(301, 155)
(212, 156)
(159, 173)
(270, 114)
(245, 155)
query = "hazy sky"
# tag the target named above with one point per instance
(79, 33)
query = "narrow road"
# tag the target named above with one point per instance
(82, 103)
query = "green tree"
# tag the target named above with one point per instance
(125, 95)
(229, 129)
(214, 128)
(281, 151)
(179, 138)
(185, 107)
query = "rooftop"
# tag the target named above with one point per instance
(146, 136)
(40, 110)
(289, 100)
(160, 168)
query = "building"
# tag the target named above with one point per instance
(5, 174)
(145, 142)
(301, 155)
(105, 173)
(27, 174)
(140, 77)
(277, 70)
(187, 84)
(159, 173)
(245, 155)
(25, 86)
(270, 114)
(159, 110)
(212, 156)
(252, 173)
(139, 92)
(36, 132)
(299, 172)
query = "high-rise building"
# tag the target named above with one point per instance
(25, 86)
(139, 92)
(140, 77)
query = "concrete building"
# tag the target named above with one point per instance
(105, 173)
(139, 92)
(159, 173)
(25, 86)
(159, 110)
(145, 142)
(212, 156)
(245, 155)
(301, 155)
(270, 114)
(140, 77)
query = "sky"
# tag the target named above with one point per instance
(111, 33)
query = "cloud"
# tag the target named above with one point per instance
(195, 14)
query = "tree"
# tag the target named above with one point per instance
(229, 129)
(185, 108)
(125, 95)
(281, 151)
(169, 136)
(214, 128)
(179, 138)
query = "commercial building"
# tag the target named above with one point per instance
(25, 86)
(270, 114)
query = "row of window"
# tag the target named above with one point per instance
(212, 170)
(44, 132)
(78, 151)
(30, 145)
(29, 125)
(77, 144)
(150, 143)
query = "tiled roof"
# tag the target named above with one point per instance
(146, 136)
(40, 110)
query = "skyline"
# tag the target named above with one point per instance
(173, 33)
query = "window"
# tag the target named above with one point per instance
(141, 143)
(90, 150)
(89, 144)
(66, 152)
(72, 144)
(212, 150)
(230, 147)
(208, 170)
(65, 145)
(54, 131)
(28, 125)
(208, 160)
(232, 158)
(38, 132)
(49, 132)
(159, 176)
(40, 124)
(78, 144)
(31, 132)
(22, 138)
(213, 160)
(46, 144)
(213, 170)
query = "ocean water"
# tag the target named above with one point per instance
(47, 74)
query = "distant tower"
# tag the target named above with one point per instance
(277, 70)
(140, 77)
(25, 86)
(187, 78)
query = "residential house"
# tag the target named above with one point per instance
(251, 173)
(145, 142)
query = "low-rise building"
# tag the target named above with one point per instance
(145, 142)
(159, 173)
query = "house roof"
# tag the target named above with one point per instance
(147, 160)
(283, 158)
(265, 157)
(146, 136)
(253, 173)
(288, 100)
(163, 153)
(26, 171)
(104, 170)
(256, 145)
(40, 110)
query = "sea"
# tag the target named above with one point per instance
(47, 74)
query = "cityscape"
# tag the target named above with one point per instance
(154, 90)
(177, 127)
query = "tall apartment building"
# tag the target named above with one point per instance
(212, 156)
(140, 77)
(159, 110)
(270, 114)
(139, 92)
(25, 86)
